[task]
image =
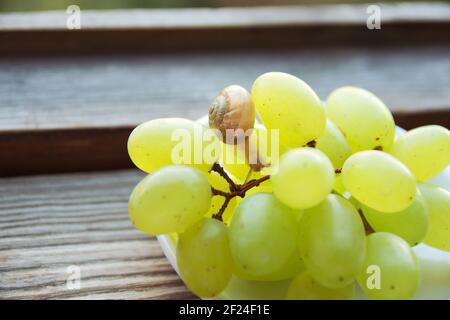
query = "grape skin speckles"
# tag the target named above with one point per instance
(362, 117)
(286, 103)
(169, 200)
(379, 181)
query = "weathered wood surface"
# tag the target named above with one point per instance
(74, 92)
(223, 29)
(64, 114)
(48, 223)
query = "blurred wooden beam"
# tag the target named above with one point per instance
(131, 31)
(28, 152)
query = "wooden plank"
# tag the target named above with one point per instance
(227, 16)
(65, 114)
(104, 91)
(410, 120)
(49, 223)
(223, 29)
(98, 149)
(69, 150)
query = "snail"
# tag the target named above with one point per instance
(232, 113)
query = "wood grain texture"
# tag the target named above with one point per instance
(124, 90)
(223, 29)
(66, 114)
(48, 223)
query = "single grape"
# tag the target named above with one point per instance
(288, 104)
(379, 181)
(338, 185)
(390, 270)
(363, 119)
(332, 242)
(332, 142)
(411, 223)
(219, 183)
(438, 203)
(170, 200)
(424, 150)
(292, 267)
(304, 177)
(161, 142)
(304, 287)
(263, 235)
(204, 258)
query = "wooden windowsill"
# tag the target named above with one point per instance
(50, 223)
(57, 106)
(54, 111)
(131, 31)
(227, 17)
(70, 98)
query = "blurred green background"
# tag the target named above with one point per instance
(42, 5)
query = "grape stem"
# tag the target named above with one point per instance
(220, 170)
(367, 227)
(311, 144)
(236, 190)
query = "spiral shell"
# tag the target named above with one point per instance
(231, 110)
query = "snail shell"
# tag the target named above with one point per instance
(231, 110)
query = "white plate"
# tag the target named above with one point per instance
(434, 266)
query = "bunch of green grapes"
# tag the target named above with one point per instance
(321, 194)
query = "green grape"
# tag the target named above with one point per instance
(234, 159)
(332, 242)
(169, 200)
(363, 119)
(438, 203)
(263, 235)
(390, 270)
(411, 223)
(161, 142)
(304, 287)
(292, 267)
(219, 183)
(204, 258)
(379, 180)
(332, 142)
(424, 150)
(338, 185)
(286, 103)
(264, 187)
(304, 177)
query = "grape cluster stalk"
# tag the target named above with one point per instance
(236, 190)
